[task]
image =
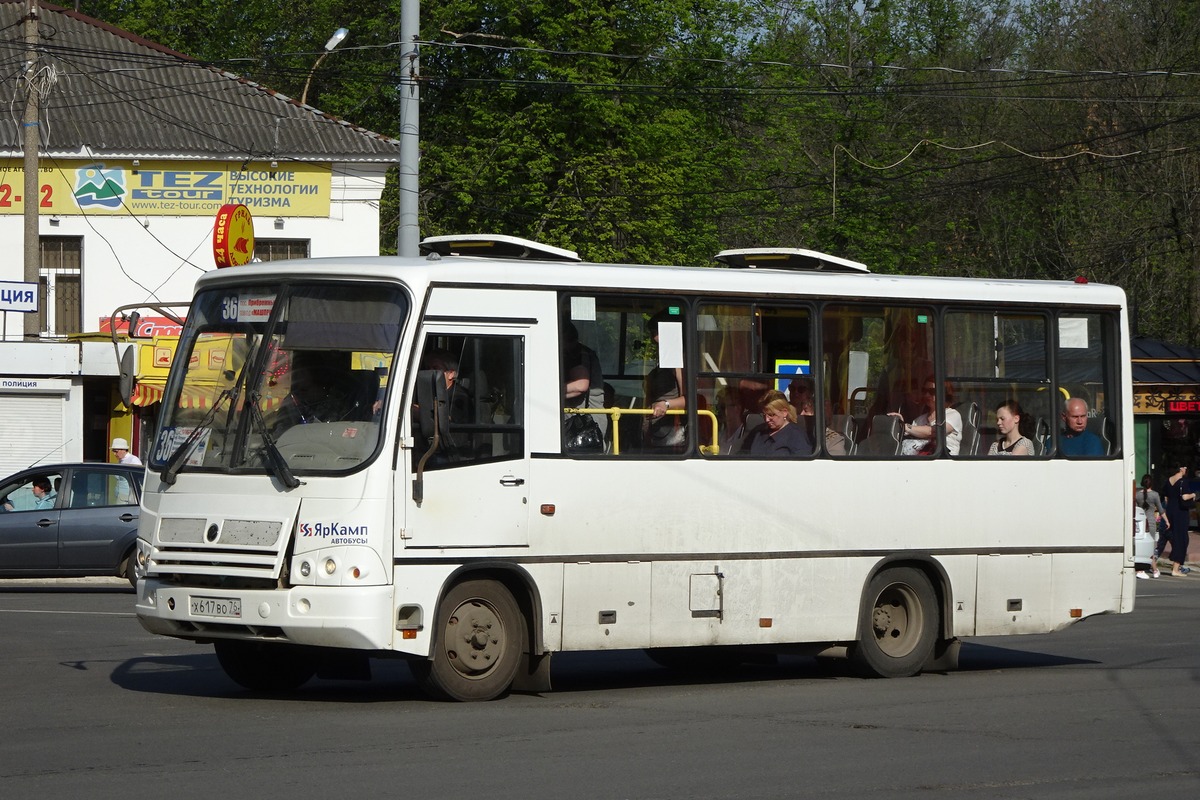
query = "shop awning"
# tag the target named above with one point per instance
(148, 392)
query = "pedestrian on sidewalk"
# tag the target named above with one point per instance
(1151, 504)
(1179, 501)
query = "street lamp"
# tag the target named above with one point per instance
(333, 42)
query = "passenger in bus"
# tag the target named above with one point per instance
(732, 419)
(1076, 439)
(1009, 421)
(458, 398)
(779, 435)
(920, 436)
(664, 391)
(583, 376)
(803, 398)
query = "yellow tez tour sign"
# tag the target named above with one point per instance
(169, 188)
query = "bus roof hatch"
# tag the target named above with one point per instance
(487, 246)
(789, 258)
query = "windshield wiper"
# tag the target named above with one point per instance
(275, 460)
(175, 462)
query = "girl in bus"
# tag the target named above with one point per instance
(1012, 442)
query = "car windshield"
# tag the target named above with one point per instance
(288, 378)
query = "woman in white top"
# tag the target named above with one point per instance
(1008, 422)
(920, 437)
(1150, 503)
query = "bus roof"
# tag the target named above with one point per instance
(422, 272)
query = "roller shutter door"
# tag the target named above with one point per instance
(31, 430)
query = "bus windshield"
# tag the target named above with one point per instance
(289, 378)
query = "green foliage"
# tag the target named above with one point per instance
(1016, 138)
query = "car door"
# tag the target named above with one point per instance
(28, 535)
(98, 517)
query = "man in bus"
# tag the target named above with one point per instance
(1076, 439)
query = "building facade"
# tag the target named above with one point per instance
(140, 147)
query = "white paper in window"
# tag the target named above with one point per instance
(1073, 332)
(670, 344)
(583, 309)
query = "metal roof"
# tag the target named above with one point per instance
(1156, 362)
(110, 93)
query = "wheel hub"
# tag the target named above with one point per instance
(474, 638)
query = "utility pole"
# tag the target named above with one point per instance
(31, 125)
(408, 234)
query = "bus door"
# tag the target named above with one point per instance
(472, 488)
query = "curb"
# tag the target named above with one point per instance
(93, 581)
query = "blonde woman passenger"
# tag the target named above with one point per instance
(778, 435)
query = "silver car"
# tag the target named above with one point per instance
(70, 520)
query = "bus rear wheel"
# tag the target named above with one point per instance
(265, 666)
(898, 627)
(479, 634)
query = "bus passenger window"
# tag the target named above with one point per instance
(877, 361)
(1086, 369)
(1000, 365)
(622, 365)
(749, 353)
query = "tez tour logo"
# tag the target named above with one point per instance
(96, 186)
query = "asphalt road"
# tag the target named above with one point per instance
(93, 707)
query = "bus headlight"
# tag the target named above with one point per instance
(305, 568)
(330, 566)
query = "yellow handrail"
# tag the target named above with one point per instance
(615, 413)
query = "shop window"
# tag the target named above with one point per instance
(280, 249)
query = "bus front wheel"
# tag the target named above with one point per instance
(898, 626)
(265, 666)
(477, 646)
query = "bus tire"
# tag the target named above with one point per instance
(265, 666)
(477, 644)
(897, 625)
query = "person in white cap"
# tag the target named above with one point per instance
(120, 449)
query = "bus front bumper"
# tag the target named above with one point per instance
(358, 617)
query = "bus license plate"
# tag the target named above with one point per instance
(229, 607)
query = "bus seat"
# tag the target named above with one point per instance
(1107, 435)
(884, 438)
(969, 411)
(1041, 436)
(847, 426)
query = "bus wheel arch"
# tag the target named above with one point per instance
(901, 621)
(481, 637)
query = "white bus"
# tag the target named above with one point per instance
(360, 458)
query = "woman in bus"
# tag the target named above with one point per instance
(920, 436)
(778, 435)
(664, 391)
(1012, 442)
